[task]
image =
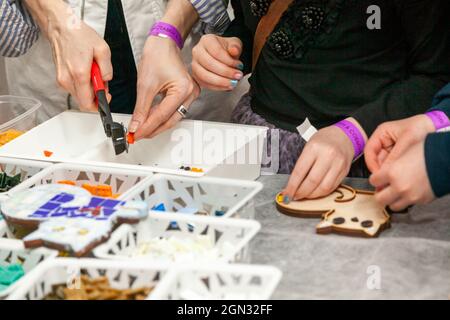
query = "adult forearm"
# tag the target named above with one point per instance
(182, 15)
(50, 14)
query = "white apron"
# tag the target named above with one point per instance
(34, 75)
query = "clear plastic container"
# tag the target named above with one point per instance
(18, 113)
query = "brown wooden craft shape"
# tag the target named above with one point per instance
(346, 211)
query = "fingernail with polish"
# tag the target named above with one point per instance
(134, 125)
(240, 66)
(234, 83)
(286, 200)
(238, 76)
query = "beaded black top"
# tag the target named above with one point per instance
(326, 61)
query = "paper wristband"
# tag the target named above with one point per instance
(165, 30)
(439, 118)
(354, 135)
(306, 130)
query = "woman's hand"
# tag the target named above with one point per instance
(404, 181)
(161, 71)
(75, 45)
(74, 51)
(392, 139)
(323, 164)
(216, 63)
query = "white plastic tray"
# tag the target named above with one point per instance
(13, 252)
(220, 149)
(26, 168)
(234, 198)
(5, 233)
(121, 181)
(121, 275)
(229, 236)
(213, 281)
(218, 282)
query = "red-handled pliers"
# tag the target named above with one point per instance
(113, 130)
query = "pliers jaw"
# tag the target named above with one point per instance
(105, 114)
(119, 138)
(114, 130)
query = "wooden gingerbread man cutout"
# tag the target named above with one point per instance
(346, 211)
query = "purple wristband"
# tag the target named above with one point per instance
(439, 118)
(354, 135)
(165, 30)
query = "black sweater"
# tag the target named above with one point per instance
(323, 62)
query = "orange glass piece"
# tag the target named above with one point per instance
(99, 191)
(130, 138)
(47, 153)
(9, 135)
(89, 187)
(104, 191)
(68, 182)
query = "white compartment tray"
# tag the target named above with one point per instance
(12, 251)
(210, 195)
(121, 181)
(26, 168)
(218, 282)
(228, 238)
(121, 275)
(5, 233)
(220, 149)
(214, 281)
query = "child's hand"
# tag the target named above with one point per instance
(392, 139)
(216, 63)
(404, 181)
(323, 164)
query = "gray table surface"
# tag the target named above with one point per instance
(411, 260)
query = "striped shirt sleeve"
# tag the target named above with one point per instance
(213, 13)
(18, 31)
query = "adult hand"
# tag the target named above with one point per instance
(161, 71)
(392, 139)
(323, 164)
(216, 64)
(404, 181)
(75, 46)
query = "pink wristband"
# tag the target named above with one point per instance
(439, 118)
(166, 30)
(354, 135)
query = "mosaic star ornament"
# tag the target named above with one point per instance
(68, 218)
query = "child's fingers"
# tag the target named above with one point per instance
(215, 66)
(234, 47)
(218, 48)
(211, 87)
(210, 80)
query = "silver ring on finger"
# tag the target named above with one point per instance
(182, 111)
